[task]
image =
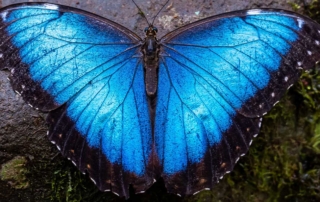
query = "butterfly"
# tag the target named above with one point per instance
(129, 110)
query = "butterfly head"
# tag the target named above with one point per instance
(151, 30)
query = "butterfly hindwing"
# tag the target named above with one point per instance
(89, 72)
(217, 77)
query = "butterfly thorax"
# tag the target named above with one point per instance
(150, 50)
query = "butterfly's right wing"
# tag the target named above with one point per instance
(217, 78)
(86, 71)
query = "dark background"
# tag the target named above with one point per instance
(282, 164)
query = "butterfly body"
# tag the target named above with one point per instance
(128, 111)
(151, 50)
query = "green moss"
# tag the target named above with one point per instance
(313, 10)
(14, 172)
(70, 185)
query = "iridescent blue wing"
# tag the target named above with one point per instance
(217, 78)
(87, 72)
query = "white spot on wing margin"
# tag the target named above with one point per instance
(300, 22)
(93, 180)
(4, 15)
(196, 192)
(259, 124)
(254, 12)
(51, 6)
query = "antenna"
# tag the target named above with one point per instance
(154, 16)
(160, 11)
(141, 11)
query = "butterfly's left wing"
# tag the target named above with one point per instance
(87, 71)
(217, 78)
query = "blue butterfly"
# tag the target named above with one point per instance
(129, 110)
